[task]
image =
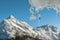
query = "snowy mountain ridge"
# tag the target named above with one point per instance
(11, 27)
(49, 32)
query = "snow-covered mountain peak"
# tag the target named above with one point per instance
(48, 27)
(49, 31)
(11, 17)
(10, 27)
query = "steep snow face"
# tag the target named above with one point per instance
(12, 27)
(49, 32)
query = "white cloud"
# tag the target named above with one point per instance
(40, 4)
(32, 17)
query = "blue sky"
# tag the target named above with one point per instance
(20, 10)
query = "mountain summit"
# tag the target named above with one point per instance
(13, 28)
